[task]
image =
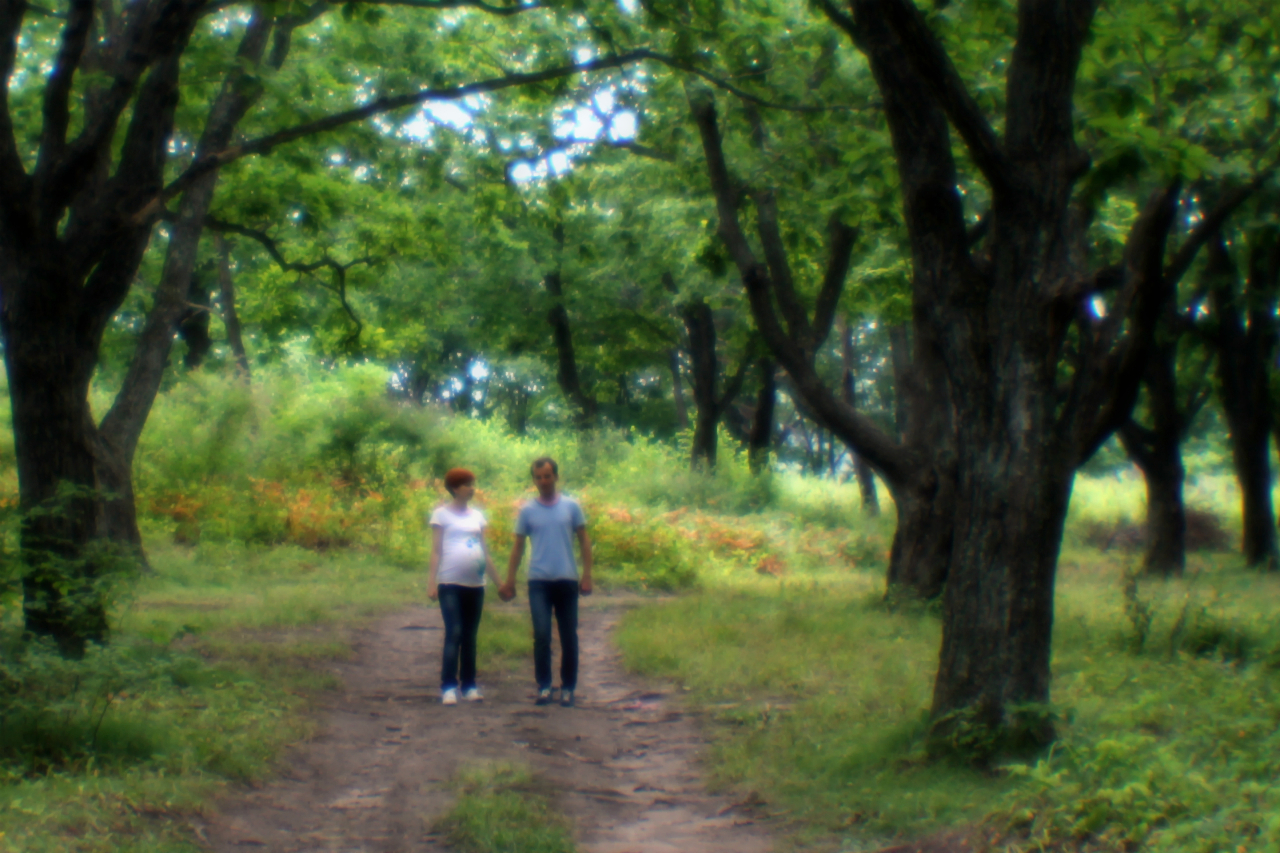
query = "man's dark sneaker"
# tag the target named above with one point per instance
(566, 698)
(544, 697)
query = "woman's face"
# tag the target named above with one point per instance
(465, 492)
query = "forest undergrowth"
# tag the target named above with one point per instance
(279, 517)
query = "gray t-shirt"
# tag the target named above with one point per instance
(552, 529)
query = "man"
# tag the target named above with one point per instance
(552, 521)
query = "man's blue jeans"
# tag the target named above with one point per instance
(461, 607)
(560, 597)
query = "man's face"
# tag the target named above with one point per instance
(544, 477)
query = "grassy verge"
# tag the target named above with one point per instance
(211, 669)
(1168, 697)
(500, 810)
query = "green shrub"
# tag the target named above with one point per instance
(58, 712)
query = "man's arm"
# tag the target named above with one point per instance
(584, 541)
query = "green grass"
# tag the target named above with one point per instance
(301, 503)
(818, 698)
(500, 810)
(209, 675)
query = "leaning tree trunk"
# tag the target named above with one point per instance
(121, 427)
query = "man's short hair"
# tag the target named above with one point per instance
(545, 460)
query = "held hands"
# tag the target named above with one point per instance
(584, 586)
(507, 591)
(433, 591)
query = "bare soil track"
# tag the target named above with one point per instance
(623, 764)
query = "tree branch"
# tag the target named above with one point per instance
(1113, 373)
(775, 254)
(264, 144)
(326, 262)
(155, 31)
(13, 177)
(929, 59)
(893, 461)
(57, 91)
(842, 240)
(1210, 223)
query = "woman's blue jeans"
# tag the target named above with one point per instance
(461, 607)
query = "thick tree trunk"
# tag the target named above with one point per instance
(49, 363)
(231, 319)
(760, 439)
(1011, 502)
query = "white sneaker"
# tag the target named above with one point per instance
(473, 694)
(449, 697)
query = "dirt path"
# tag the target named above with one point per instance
(623, 762)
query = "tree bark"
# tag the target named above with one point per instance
(231, 318)
(57, 294)
(49, 367)
(1158, 454)
(702, 352)
(193, 325)
(121, 427)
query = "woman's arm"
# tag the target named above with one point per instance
(437, 545)
(488, 559)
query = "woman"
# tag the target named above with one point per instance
(459, 560)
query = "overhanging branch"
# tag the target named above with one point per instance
(378, 106)
(501, 11)
(1213, 220)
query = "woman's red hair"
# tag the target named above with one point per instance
(458, 477)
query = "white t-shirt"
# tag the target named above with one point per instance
(462, 552)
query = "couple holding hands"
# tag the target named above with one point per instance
(460, 558)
